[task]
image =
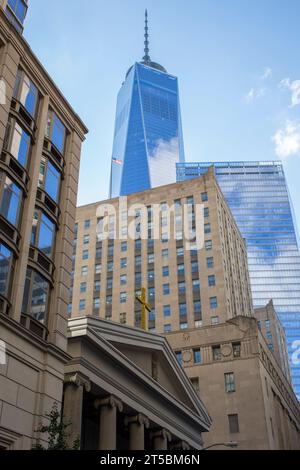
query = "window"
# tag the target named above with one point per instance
(84, 271)
(236, 349)
(197, 356)
(229, 382)
(43, 233)
(110, 266)
(138, 260)
(123, 246)
(214, 320)
(179, 356)
(271, 347)
(204, 197)
(165, 254)
(138, 244)
(85, 254)
(96, 303)
(36, 296)
(233, 421)
(165, 271)
(123, 279)
(166, 289)
(213, 302)
(151, 293)
(98, 253)
(6, 270)
(98, 268)
(86, 239)
(208, 245)
(198, 323)
(138, 278)
(49, 178)
(109, 283)
(211, 280)
(97, 286)
(216, 351)
(151, 258)
(196, 285)
(150, 275)
(19, 146)
(267, 322)
(210, 262)
(19, 9)
(56, 131)
(195, 383)
(167, 328)
(123, 297)
(123, 263)
(83, 287)
(183, 326)
(167, 310)
(207, 229)
(26, 92)
(180, 251)
(123, 318)
(108, 300)
(194, 266)
(87, 224)
(110, 251)
(180, 269)
(182, 309)
(259, 325)
(11, 200)
(181, 288)
(69, 310)
(197, 306)
(81, 304)
(206, 212)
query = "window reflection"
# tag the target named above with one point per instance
(19, 145)
(43, 233)
(56, 131)
(49, 178)
(10, 199)
(36, 296)
(6, 269)
(26, 92)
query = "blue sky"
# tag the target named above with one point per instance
(237, 63)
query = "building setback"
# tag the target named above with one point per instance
(258, 197)
(250, 400)
(186, 288)
(38, 191)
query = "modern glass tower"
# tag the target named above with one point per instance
(148, 138)
(258, 197)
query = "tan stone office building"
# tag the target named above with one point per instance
(274, 334)
(250, 399)
(38, 192)
(186, 288)
(124, 389)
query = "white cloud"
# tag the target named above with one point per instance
(254, 94)
(294, 87)
(287, 140)
(267, 73)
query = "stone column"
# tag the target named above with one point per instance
(137, 425)
(180, 445)
(108, 421)
(75, 384)
(160, 439)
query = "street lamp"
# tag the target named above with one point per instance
(231, 444)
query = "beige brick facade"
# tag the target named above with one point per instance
(38, 188)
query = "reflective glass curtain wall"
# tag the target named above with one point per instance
(258, 197)
(148, 138)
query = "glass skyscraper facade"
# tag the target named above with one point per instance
(258, 197)
(148, 139)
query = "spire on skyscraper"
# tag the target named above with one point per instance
(146, 58)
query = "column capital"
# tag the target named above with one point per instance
(180, 445)
(111, 401)
(139, 418)
(78, 380)
(161, 433)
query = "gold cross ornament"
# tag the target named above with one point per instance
(145, 307)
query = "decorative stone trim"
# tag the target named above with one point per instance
(78, 380)
(139, 418)
(111, 401)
